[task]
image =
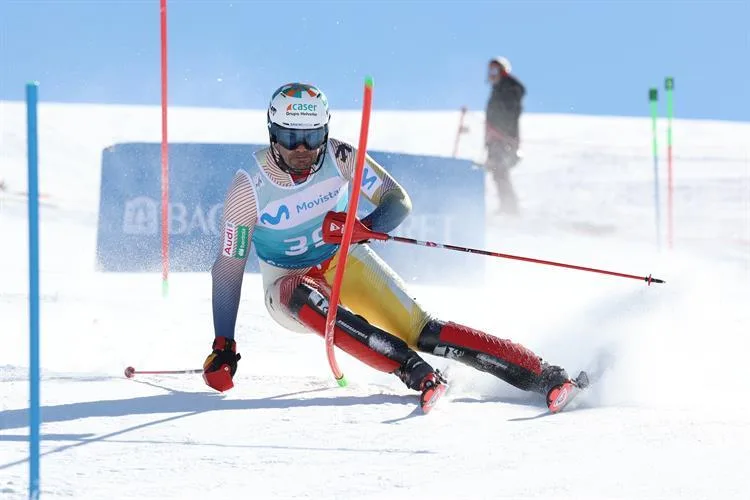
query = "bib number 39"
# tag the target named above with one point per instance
(300, 244)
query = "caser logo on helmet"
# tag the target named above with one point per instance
(302, 107)
(302, 110)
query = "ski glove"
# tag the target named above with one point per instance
(221, 365)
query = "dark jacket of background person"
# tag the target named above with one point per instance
(504, 109)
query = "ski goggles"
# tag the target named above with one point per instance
(290, 138)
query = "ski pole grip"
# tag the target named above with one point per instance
(333, 230)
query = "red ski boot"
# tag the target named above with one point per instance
(433, 387)
(561, 395)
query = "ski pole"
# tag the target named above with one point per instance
(648, 279)
(362, 233)
(131, 372)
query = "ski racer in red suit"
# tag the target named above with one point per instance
(279, 204)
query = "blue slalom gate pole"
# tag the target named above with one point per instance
(34, 410)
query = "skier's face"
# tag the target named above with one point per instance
(300, 158)
(494, 72)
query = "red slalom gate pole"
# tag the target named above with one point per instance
(351, 219)
(669, 86)
(131, 372)
(164, 156)
(461, 130)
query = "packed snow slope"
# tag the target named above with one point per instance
(668, 419)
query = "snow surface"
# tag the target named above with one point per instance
(669, 419)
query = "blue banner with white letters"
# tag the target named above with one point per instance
(447, 197)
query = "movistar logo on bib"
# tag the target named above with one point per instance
(274, 220)
(303, 205)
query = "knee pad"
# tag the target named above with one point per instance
(278, 297)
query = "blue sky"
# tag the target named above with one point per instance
(588, 57)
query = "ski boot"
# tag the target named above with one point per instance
(562, 390)
(433, 386)
(418, 375)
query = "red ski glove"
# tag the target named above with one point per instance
(221, 365)
(333, 230)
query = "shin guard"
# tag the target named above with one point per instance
(508, 361)
(354, 335)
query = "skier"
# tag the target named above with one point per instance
(280, 204)
(502, 130)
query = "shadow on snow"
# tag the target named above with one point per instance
(183, 404)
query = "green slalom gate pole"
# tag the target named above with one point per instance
(669, 87)
(653, 97)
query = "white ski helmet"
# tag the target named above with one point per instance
(298, 106)
(502, 61)
(298, 115)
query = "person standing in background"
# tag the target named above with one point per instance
(502, 130)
